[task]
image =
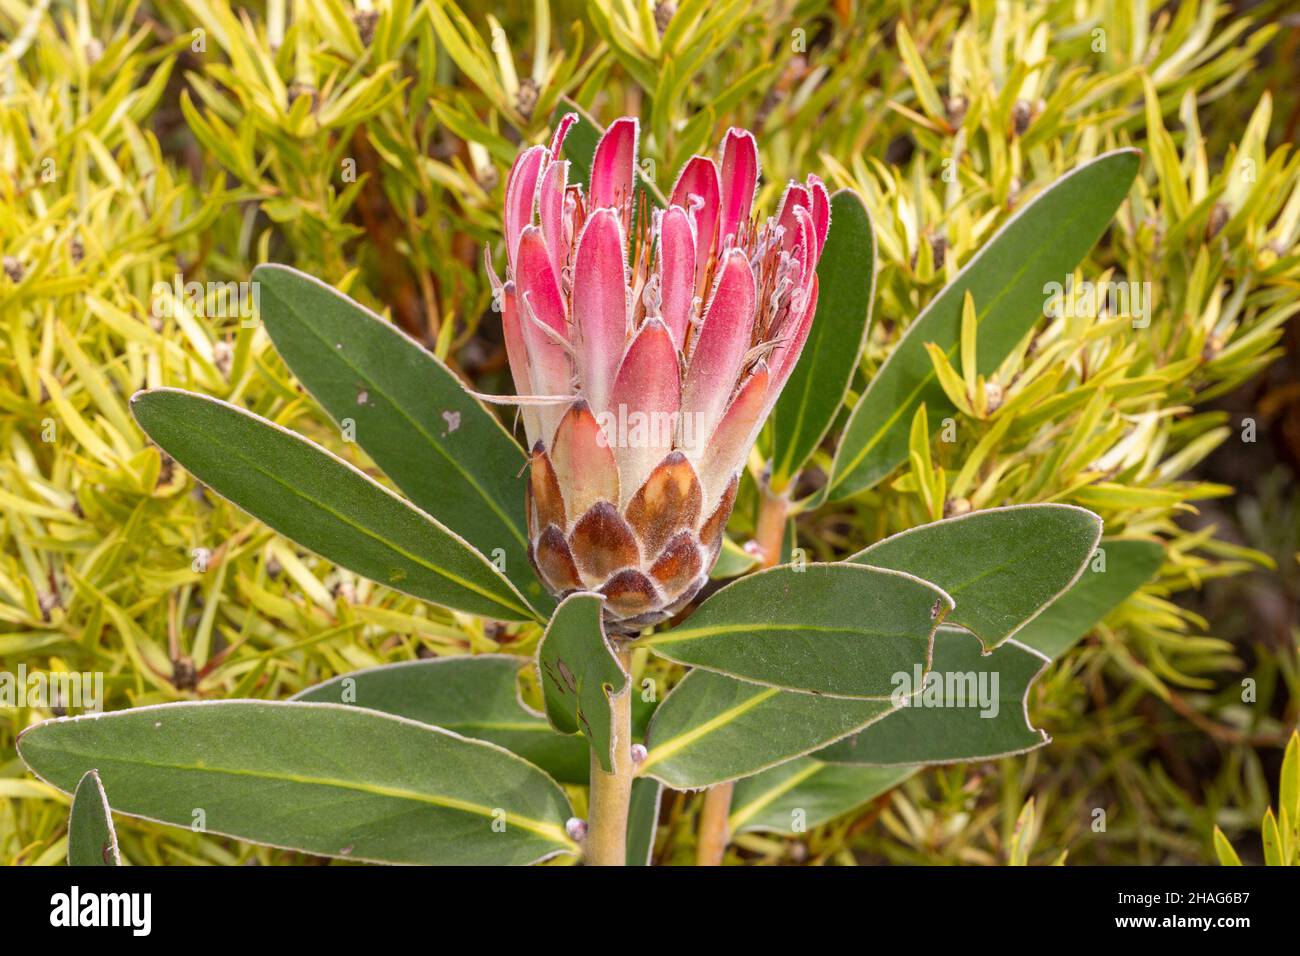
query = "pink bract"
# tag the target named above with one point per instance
(647, 347)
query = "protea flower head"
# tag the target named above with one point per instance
(647, 347)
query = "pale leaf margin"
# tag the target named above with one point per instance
(652, 758)
(91, 777)
(567, 845)
(1100, 529)
(530, 613)
(684, 630)
(607, 691)
(426, 662)
(1045, 737)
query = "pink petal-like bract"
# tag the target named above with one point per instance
(739, 178)
(600, 305)
(521, 194)
(614, 164)
(724, 338)
(698, 192)
(648, 395)
(648, 347)
(677, 272)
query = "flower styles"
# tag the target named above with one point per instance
(647, 347)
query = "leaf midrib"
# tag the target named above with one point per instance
(682, 635)
(672, 746)
(769, 796)
(547, 831)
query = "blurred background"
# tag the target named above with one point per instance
(146, 145)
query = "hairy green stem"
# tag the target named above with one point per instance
(606, 841)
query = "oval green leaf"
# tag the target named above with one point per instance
(1104, 585)
(92, 841)
(412, 415)
(835, 629)
(1041, 243)
(1001, 566)
(712, 728)
(323, 503)
(846, 285)
(322, 778)
(804, 793)
(473, 696)
(971, 705)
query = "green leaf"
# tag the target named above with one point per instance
(712, 728)
(1042, 243)
(733, 561)
(322, 778)
(846, 283)
(805, 793)
(1224, 851)
(412, 415)
(92, 840)
(836, 629)
(323, 503)
(1289, 787)
(474, 696)
(970, 706)
(579, 672)
(1272, 840)
(1001, 566)
(642, 820)
(1129, 564)
(1021, 844)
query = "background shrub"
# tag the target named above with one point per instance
(146, 145)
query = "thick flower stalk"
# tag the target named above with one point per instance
(647, 347)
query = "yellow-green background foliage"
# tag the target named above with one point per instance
(188, 140)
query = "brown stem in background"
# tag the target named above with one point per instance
(714, 835)
(383, 227)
